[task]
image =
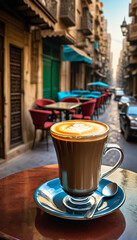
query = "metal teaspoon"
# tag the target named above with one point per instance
(108, 191)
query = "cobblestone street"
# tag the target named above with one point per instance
(40, 156)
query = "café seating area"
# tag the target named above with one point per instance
(42, 102)
(79, 94)
(72, 100)
(80, 104)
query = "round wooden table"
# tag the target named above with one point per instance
(21, 218)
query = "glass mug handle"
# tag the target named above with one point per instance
(109, 147)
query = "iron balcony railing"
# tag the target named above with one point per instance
(86, 22)
(67, 12)
(51, 6)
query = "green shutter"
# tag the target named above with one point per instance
(51, 69)
(46, 78)
(55, 79)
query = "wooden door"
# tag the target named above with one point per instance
(50, 78)
(15, 97)
(1, 98)
(51, 69)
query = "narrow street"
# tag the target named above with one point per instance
(39, 156)
(111, 117)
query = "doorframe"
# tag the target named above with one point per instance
(2, 154)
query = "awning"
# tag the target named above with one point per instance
(73, 54)
(35, 13)
(42, 15)
(98, 84)
(59, 36)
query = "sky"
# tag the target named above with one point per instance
(114, 12)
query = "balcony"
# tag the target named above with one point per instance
(132, 32)
(39, 13)
(86, 23)
(134, 3)
(98, 64)
(67, 12)
(132, 50)
(97, 20)
(51, 6)
(133, 60)
(97, 35)
(89, 1)
(132, 10)
(99, 5)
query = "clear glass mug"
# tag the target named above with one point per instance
(79, 155)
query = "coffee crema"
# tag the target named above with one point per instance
(79, 129)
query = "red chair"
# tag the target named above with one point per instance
(72, 100)
(103, 100)
(39, 118)
(41, 102)
(87, 110)
(97, 106)
(106, 98)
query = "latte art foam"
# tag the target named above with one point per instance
(79, 128)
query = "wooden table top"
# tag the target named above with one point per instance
(62, 106)
(21, 218)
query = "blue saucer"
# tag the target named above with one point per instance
(49, 197)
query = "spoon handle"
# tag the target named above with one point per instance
(90, 212)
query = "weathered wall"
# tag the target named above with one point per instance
(17, 35)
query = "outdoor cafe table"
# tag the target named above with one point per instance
(84, 99)
(21, 218)
(62, 106)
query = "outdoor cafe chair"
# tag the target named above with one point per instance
(39, 118)
(103, 100)
(72, 100)
(41, 102)
(87, 110)
(97, 106)
(96, 93)
(100, 104)
(107, 96)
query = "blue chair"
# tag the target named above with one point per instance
(91, 96)
(80, 92)
(62, 95)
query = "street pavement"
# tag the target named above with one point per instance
(39, 156)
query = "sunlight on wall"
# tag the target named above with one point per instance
(114, 12)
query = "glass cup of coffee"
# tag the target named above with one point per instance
(80, 145)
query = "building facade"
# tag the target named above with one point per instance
(21, 71)
(132, 38)
(127, 69)
(33, 38)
